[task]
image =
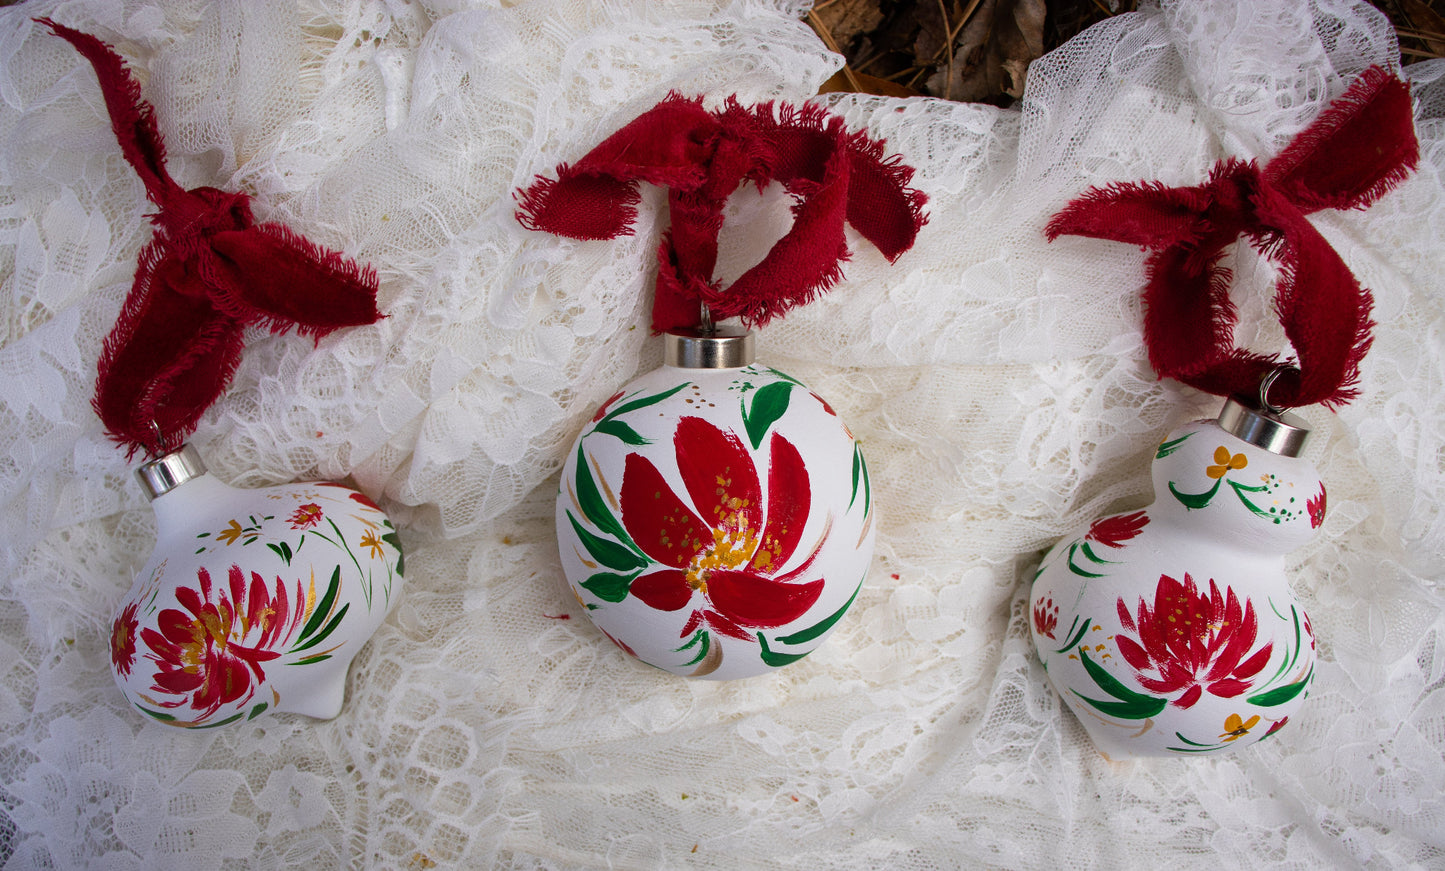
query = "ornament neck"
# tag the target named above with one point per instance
(169, 471)
(721, 347)
(1274, 430)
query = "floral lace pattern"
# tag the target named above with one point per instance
(998, 383)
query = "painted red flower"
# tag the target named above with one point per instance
(1046, 617)
(723, 555)
(122, 640)
(1275, 727)
(1114, 531)
(1192, 642)
(1316, 508)
(209, 654)
(306, 516)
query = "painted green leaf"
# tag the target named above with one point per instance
(1195, 501)
(257, 711)
(1197, 748)
(283, 550)
(164, 718)
(610, 587)
(311, 660)
(860, 474)
(323, 610)
(1241, 489)
(783, 375)
(700, 637)
(1129, 700)
(608, 553)
(1074, 567)
(394, 539)
(621, 430)
(231, 719)
(1075, 637)
(774, 658)
(589, 498)
(324, 633)
(857, 472)
(802, 636)
(1170, 447)
(1124, 710)
(1093, 557)
(628, 407)
(1280, 695)
(769, 403)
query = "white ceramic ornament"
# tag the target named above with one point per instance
(715, 518)
(1172, 630)
(253, 600)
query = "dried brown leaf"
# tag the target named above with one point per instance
(846, 19)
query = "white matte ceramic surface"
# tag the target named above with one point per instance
(254, 601)
(715, 522)
(1172, 629)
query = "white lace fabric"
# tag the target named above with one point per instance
(998, 382)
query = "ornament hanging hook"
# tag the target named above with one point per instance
(1267, 382)
(160, 440)
(707, 328)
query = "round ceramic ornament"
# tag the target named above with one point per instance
(714, 517)
(253, 600)
(1173, 629)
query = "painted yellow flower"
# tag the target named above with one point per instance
(369, 539)
(231, 533)
(1235, 727)
(1225, 461)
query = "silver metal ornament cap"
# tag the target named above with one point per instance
(722, 347)
(169, 471)
(1273, 429)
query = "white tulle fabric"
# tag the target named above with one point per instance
(998, 383)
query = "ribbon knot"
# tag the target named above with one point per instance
(701, 157)
(1359, 148)
(209, 272)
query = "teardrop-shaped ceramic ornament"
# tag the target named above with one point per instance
(1172, 630)
(253, 601)
(715, 518)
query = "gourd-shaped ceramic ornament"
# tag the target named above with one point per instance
(1173, 629)
(715, 518)
(253, 601)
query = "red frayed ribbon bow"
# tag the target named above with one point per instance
(702, 157)
(1356, 150)
(209, 272)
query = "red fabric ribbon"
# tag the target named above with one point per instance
(1361, 146)
(702, 157)
(209, 272)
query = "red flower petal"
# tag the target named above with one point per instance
(789, 499)
(176, 626)
(1229, 687)
(753, 600)
(1133, 653)
(727, 627)
(665, 590)
(1190, 696)
(662, 526)
(1251, 667)
(719, 475)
